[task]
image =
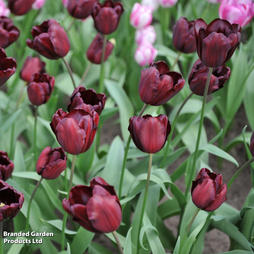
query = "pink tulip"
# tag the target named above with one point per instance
(65, 2)
(167, 3)
(237, 11)
(146, 34)
(38, 4)
(145, 53)
(4, 11)
(151, 3)
(141, 16)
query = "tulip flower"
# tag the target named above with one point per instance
(40, 88)
(145, 34)
(198, 76)
(217, 41)
(31, 66)
(79, 125)
(158, 85)
(6, 166)
(183, 36)
(7, 67)
(9, 32)
(51, 163)
(167, 3)
(38, 4)
(107, 16)
(94, 52)
(96, 207)
(141, 16)
(11, 201)
(145, 53)
(240, 12)
(208, 192)
(87, 96)
(153, 4)
(49, 40)
(80, 9)
(4, 11)
(149, 133)
(20, 7)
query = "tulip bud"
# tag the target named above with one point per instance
(198, 76)
(40, 88)
(80, 9)
(96, 207)
(11, 201)
(51, 163)
(49, 40)
(7, 67)
(31, 65)
(145, 54)
(167, 3)
(6, 166)
(217, 41)
(82, 96)
(107, 16)
(4, 11)
(79, 125)
(20, 7)
(237, 11)
(145, 34)
(38, 4)
(153, 4)
(252, 144)
(208, 192)
(94, 52)
(158, 85)
(183, 36)
(149, 133)
(9, 32)
(141, 16)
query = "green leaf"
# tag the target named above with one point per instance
(127, 245)
(58, 225)
(68, 251)
(16, 248)
(95, 248)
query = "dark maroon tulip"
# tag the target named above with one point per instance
(20, 7)
(95, 207)
(7, 67)
(6, 166)
(94, 52)
(107, 16)
(40, 88)
(252, 144)
(217, 41)
(8, 32)
(208, 192)
(49, 40)
(80, 9)
(11, 201)
(31, 65)
(198, 76)
(89, 97)
(183, 36)
(51, 163)
(75, 131)
(157, 84)
(149, 133)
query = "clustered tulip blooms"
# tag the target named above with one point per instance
(51, 163)
(217, 41)
(9, 32)
(49, 40)
(81, 96)
(208, 192)
(6, 166)
(7, 67)
(96, 207)
(149, 133)
(11, 201)
(157, 84)
(198, 76)
(20, 7)
(40, 88)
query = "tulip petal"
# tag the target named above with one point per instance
(218, 200)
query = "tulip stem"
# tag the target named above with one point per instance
(239, 171)
(192, 220)
(145, 196)
(70, 72)
(30, 202)
(200, 128)
(101, 82)
(176, 61)
(118, 242)
(85, 73)
(142, 110)
(35, 134)
(68, 195)
(1, 237)
(173, 128)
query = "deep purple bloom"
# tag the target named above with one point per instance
(6, 166)
(20, 7)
